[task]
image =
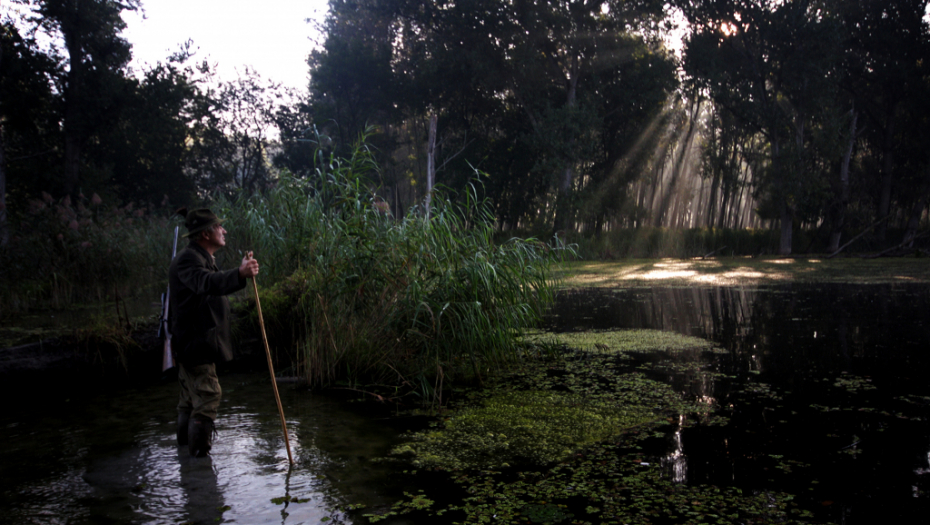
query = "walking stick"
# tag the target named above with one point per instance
(274, 384)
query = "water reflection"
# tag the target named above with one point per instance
(828, 328)
(676, 463)
(823, 388)
(115, 460)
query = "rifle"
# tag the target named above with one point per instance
(167, 360)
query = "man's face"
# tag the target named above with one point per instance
(215, 237)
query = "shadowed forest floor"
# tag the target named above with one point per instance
(740, 271)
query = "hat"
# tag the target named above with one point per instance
(198, 220)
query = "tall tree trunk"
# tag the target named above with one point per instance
(785, 215)
(712, 202)
(917, 211)
(914, 220)
(74, 91)
(4, 222)
(839, 221)
(884, 203)
(430, 162)
(563, 210)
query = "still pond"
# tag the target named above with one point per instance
(820, 396)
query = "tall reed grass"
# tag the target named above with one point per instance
(64, 253)
(364, 297)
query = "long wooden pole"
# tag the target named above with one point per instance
(274, 383)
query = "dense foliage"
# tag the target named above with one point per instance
(71, 252)
(807, 116)
(364, 296)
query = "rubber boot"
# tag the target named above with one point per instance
(200, 432)
(183, 422)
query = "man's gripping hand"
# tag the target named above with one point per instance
(249, 266)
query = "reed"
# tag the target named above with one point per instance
(65, 253)
(364, 297)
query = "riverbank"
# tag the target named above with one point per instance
(740, 271)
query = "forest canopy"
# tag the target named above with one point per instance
(571, 116)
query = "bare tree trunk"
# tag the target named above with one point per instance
(563, 210)
(430, 162)
(884, 203)
(839, 221)
(4, 221)
(73, 112)
(917, 211)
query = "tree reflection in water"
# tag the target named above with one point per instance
(823, 387)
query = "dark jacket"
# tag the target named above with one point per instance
(199, 308)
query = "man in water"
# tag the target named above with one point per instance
(200, 324)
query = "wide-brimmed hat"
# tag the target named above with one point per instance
(197, 221)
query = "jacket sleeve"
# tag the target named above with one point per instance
(194, 274)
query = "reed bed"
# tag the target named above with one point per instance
(362, 297)
(65, 253)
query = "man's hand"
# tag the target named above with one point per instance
(249, 266)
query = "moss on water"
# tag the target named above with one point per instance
(550, 408)
(559, 441)
(622, 341)
(522, 426)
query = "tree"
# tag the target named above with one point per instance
(771, 64)
(97, 55)
(231, 141)
(885, 69)
(544, 97)
(30, 141)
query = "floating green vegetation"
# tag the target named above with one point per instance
(852, 383)
(545, 411)
(591, 412)
(761, 390)
(525, 426)
(606, 483)
(289, 499)
(623, 341)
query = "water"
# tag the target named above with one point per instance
(824, 389)
(113, 459)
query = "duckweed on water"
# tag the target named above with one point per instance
(572, 427)
(531, 426)
(624, 341)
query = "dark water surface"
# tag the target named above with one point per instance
(826, 387)
(102, 459)
(825, 390)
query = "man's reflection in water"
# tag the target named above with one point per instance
(205, 502)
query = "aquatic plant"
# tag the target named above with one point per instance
(521, 427)
(543, 411)
(362, 296)
(623, 341)
(598, 475)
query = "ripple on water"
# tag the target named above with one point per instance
(114, 459)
